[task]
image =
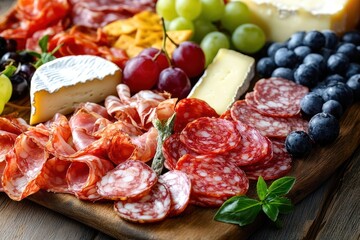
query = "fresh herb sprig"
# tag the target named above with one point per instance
(243, 210)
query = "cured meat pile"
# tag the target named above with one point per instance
(75, 24)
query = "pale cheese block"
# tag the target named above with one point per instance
(225, 80)
(280, 18)
(60, 85)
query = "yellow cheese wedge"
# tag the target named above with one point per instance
(60, 85)
(226, 79)
(280, 18)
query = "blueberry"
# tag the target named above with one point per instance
(349, 49)
(352, 37)
(331, 39)
(296, 40)
(301, 52)
(324, 128)
(315, 40)
(339, 92)
(311, 104)
(319, 88)
(274, 47)
(333, 107)
(265, 67)
(307, 75)
(326, 53)
(334, 78)
(285, 58)
(338, 63)
(354, 84)
(353, 69)
(285, 73)
(315, 58)
(298, 143)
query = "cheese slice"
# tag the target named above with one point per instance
(280, 18)
(226, 79)
(60, 85)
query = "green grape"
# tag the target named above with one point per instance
(212, 10)
(248, 38)
(5, 88)
(211, 44)
(189, 9)
(202, 27)
(181, 23)
(235, 14)
(166, 9)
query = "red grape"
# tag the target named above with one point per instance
(189, 57)
(174, 81)
(161, 59)
(140, 73)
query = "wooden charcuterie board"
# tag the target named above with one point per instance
(197, 222)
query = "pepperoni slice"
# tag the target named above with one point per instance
(278, 97)
(189, 109)
(173, 150)
(130, 179)
(153, 207)
(268, 126)
(277, 167)
(179, 186)
(211, 176)
(210, 135)
(253, 148)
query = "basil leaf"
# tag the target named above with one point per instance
(32, 53)
(281, 186)
(238, 210)
(271, 211)
(261, 188)
(283, 204)
(43, 43)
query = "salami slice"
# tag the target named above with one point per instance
(278, 97)
(277, 167)
(268, 126)
(207, 201)
(173, 150)
(179, 186)
(254, 147)
(189, 109)
(130, 179)
(211, 176)
(152, 207)
(210, 135)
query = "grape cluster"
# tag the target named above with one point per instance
(153, 69)
(214, 24)
(23, 62)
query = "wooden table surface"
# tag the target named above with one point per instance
(331, 212)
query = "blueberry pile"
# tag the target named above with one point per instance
(23, 61)
(329, 65)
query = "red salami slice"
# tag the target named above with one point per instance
(253, 148)
(151, 208)
(130, 179)
(189, 109)
(179, 186)
(173, 150)
(277, 167)
(210, 135)
(278, 97)
(268, 126)
(211, 176)
(207, 201)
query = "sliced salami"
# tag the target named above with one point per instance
(189, 109)
(210, 135)
(207, 201)
(254, 147)
(278, 97)
(130, 179)
(173, 150)
(152, 207)
(179, 186)
(211, 176)
(277, 167)
(268, 126)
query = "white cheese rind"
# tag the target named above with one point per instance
(225, 80)
(60, 85)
